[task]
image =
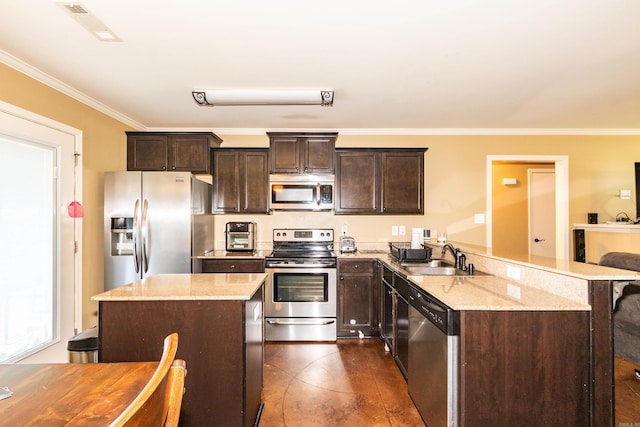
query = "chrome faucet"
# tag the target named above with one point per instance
(461, 259)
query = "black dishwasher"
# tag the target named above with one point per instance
(433, 359)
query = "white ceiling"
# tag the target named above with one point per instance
(407, 66)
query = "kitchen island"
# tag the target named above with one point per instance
(219, 321)
(533, 330)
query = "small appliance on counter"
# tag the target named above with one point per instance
(240, 236)
(347, 245)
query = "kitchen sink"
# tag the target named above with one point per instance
(437, 268)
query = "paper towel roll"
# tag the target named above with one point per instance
(417, 238)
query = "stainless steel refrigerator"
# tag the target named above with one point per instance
(154, 222)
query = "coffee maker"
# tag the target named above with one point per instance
(240, 236)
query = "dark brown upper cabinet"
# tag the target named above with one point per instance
(379, 181)
(171, 151)
(241, 181)
(306, 153)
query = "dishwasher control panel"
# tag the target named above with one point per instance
(443, 317)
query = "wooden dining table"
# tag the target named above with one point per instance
(91, 394)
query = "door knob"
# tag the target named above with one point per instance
(538, 240)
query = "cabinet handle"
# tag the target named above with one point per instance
(233, 266)
(356, 266)
(341, 277)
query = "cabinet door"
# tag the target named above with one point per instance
(226, 181)
(318, 155)
(402, 329)
(146, 152)
(254, 181)
(402, 182)
(189, 153)
(358, 297)
(232, 266)
(357, 188)
(285, 154)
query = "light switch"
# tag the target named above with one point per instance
(625, 194)
(394, 230)
(402, 230)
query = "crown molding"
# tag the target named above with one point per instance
(419, 132)
(56, 84)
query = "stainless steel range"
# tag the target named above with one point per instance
(301, 292)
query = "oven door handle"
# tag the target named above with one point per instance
(292, 266)
(297, 322)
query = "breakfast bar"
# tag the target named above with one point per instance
(219, 319)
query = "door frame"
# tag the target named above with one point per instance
(76, 134)
(562, 196)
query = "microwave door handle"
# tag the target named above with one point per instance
(318, 197)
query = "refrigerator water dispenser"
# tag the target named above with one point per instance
(121, 236)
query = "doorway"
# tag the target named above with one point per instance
(519, 225)
(42, 294)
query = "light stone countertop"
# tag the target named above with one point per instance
(206, 286)
(492, 293)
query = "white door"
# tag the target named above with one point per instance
(542, 221)
(40, 290)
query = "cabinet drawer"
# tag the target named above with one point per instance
(232, 266)
(356, 267)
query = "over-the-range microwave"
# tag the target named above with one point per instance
(301, 192)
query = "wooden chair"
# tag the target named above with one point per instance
(159, 402)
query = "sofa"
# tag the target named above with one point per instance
(626, 315)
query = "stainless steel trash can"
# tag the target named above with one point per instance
(83, 348)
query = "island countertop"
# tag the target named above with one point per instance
(203, 286)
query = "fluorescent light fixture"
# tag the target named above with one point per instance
(263, 97)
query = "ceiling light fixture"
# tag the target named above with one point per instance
(263, 97)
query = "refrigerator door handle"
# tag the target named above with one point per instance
(145, 236)
(136, 231)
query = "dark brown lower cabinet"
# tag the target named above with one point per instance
(220, 340)
(233, 265)
(520, 368)
(358, 300)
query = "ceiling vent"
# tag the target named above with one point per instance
(79, 13)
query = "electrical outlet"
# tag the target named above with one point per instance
(394, 230)
(402, 230)
(344, 229)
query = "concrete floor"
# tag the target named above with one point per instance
(356, 383)
(351, 383)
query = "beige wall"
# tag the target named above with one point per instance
(455, 176)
